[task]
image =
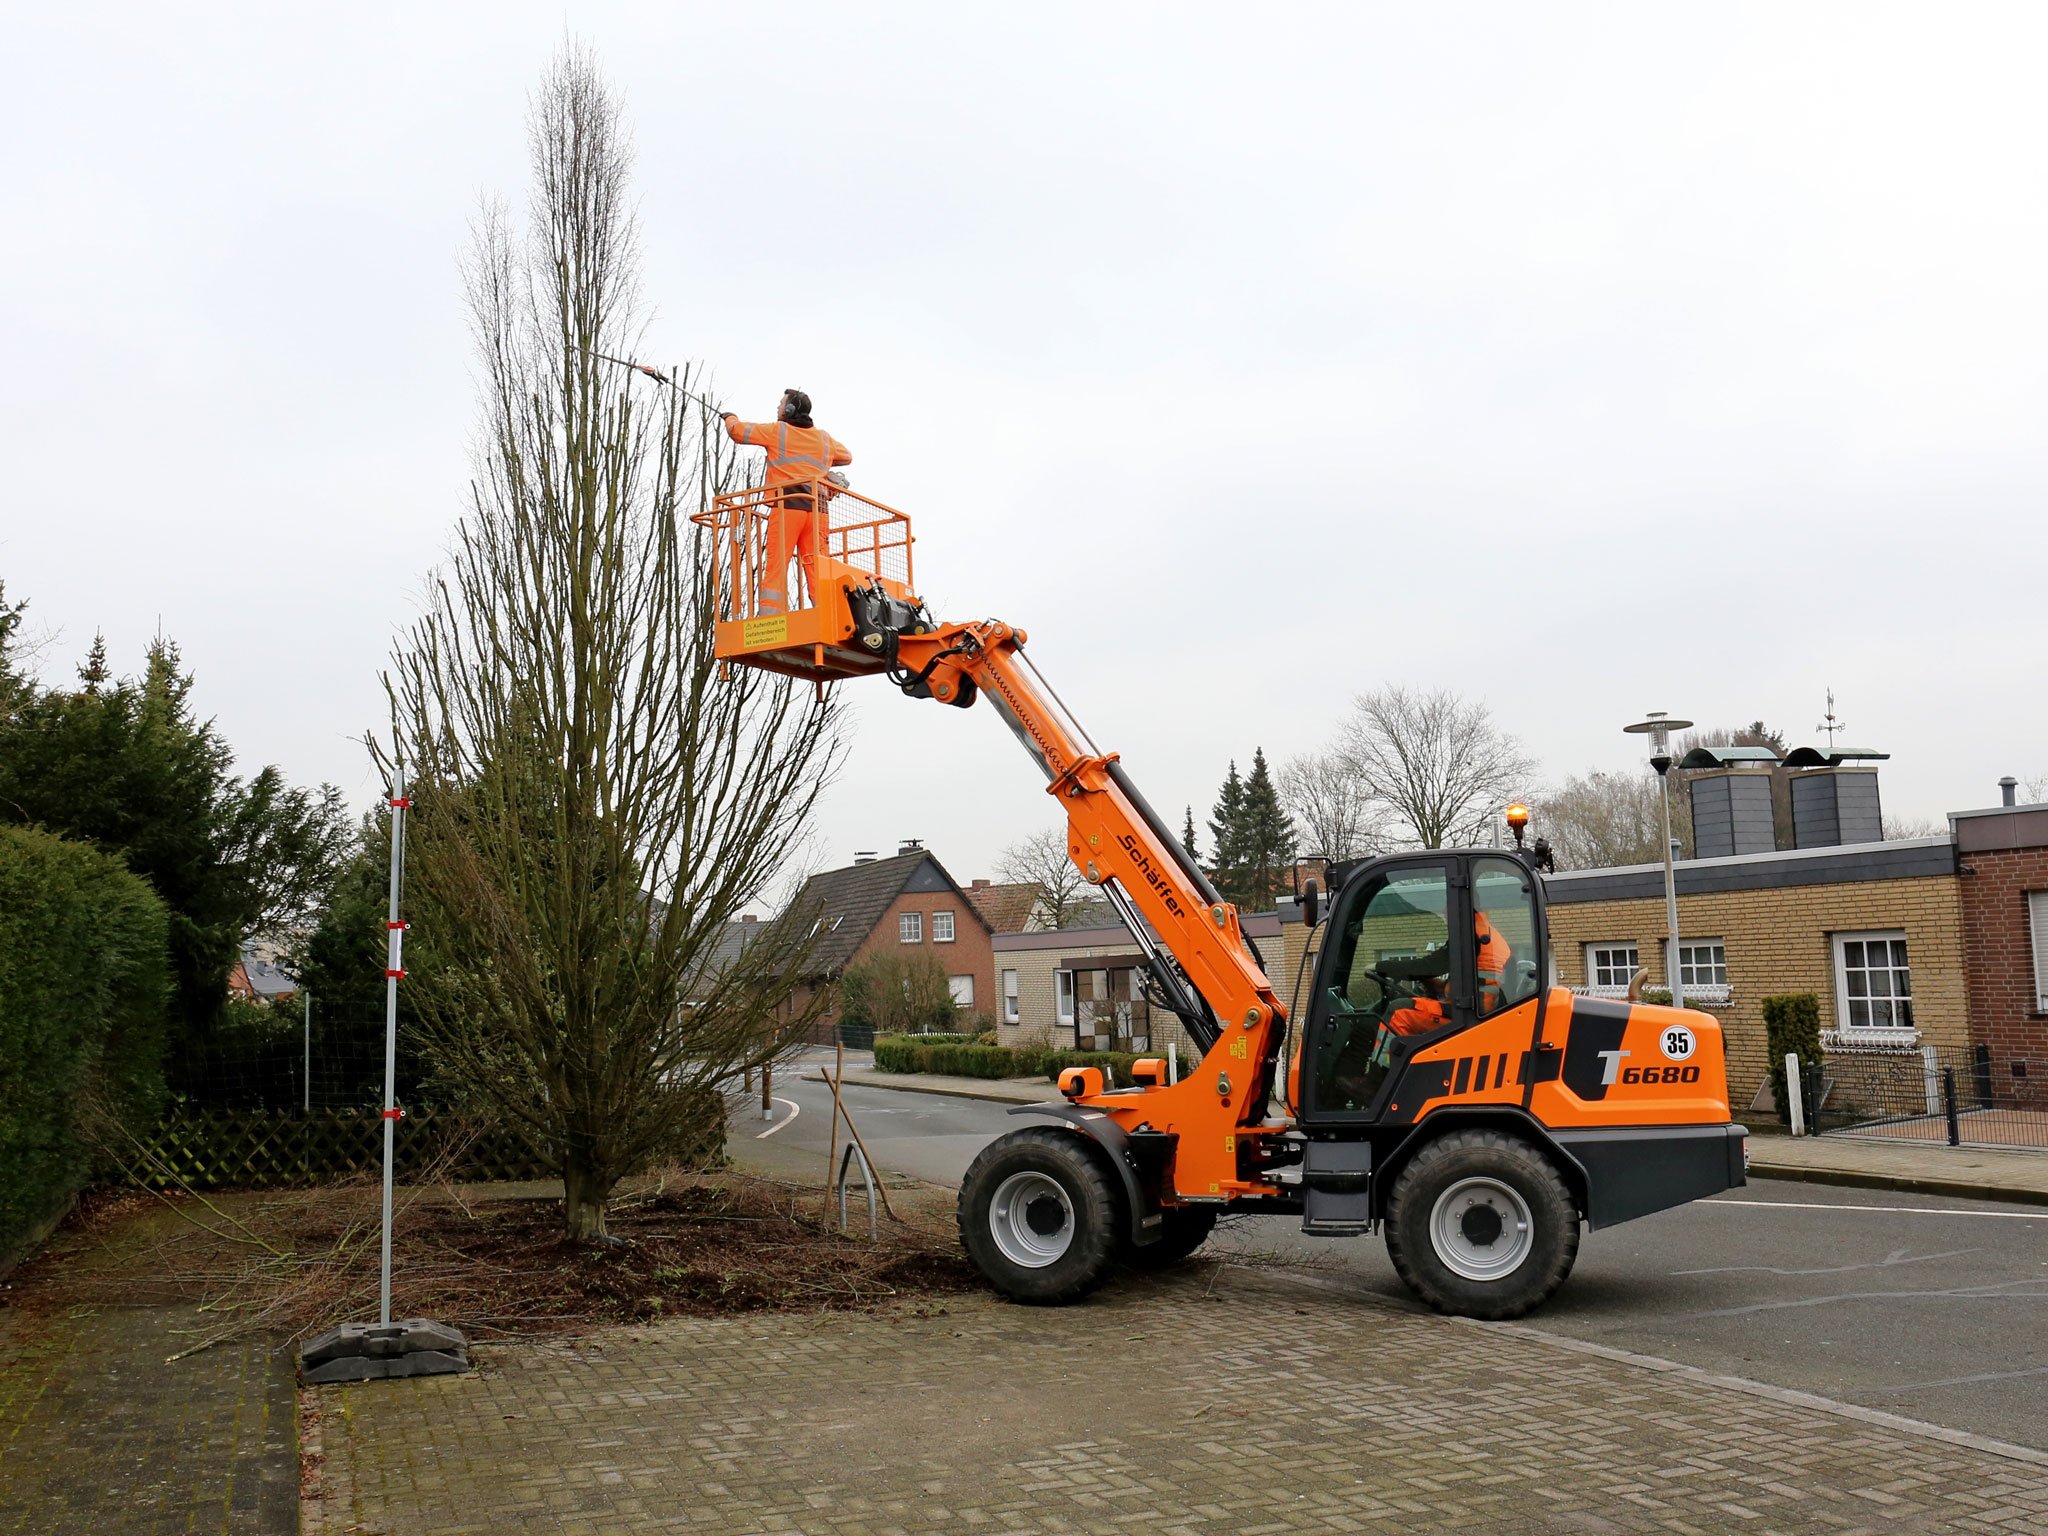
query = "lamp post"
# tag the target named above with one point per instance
(1658, 727)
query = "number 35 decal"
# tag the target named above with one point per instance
(1678, 1043)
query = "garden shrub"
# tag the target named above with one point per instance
(1791, 1024)
(82, 987)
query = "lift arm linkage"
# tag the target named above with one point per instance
(1118, 844)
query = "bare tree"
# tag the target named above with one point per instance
(1899, 829)
(1438, 763)
(1041, 860)
(1332, 804)
(2034, 790)
(1597, 820)
(594, 804)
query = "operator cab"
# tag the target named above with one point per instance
(1420, 948)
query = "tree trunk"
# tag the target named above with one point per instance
(584, 1192)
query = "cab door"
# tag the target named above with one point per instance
(1429, 990)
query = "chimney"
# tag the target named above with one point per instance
(2008, 790)
(979, 885)
(747, 917)
(1730, 792)
(1835, 802)
(909, 845)
(865, 856)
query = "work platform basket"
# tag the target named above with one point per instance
(840, 539)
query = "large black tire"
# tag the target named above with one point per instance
(1038, 1216)
(1481, 1225)
(1186, 1228)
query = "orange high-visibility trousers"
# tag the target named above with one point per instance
(792, 530)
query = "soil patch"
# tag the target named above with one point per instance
(686, 1245)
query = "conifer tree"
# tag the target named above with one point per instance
(1265, 838)
(1226, 825)
(1187, 836)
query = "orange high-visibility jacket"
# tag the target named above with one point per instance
(795, 454)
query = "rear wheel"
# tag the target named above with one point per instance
(1481, 1225)
(1038, 1217)
(1186, 1228)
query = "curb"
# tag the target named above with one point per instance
(1903, 1183)
(944, 1093)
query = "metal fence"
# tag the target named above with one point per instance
(1969, 1096)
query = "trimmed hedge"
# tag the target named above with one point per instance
(1791, 1024)
(952, 1056)
(82, 987)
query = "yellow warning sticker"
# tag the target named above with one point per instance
(765, 631)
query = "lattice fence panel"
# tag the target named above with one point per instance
(264, 1149)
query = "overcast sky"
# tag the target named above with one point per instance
(1586, 360)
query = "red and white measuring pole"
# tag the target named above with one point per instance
(394, 972)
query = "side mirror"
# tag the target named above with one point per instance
(1311, 903)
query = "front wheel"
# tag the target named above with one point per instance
(1481, 1225)
(1038, 1217)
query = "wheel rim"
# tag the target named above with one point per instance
(1481, 1229)
(1032, 1220)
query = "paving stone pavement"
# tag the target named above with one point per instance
(1213, 1401)
(99, 1436)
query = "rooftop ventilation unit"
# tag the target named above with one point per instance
(1730, 789)
(1835, 800)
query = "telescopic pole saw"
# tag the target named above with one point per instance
(658, 376)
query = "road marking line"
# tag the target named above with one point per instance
(1891, 1210)
(1787, 1396)
(794, 1111)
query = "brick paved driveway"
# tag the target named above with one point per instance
(99, 1436)
(1215, 1401)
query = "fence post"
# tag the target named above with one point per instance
(1948, 1100)
(308, 1105)
(1983, 1065)
(1930, 1076)
(1795, 1099)
(767, 1093)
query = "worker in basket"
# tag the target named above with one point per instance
(800, 455)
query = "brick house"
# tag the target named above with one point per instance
(2002, 857)
(1875, 930)
(906, 906)
(1083, 987)
(1011, 908)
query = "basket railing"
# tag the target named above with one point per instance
(849, 537)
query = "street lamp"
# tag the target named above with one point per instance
(1658, 727)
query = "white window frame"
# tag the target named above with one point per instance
(1012, 1005)
(1687, 971)
(942, 927)
(1879, 1034)
(910, 928)
(1595, 987)
(2037, 922)
(962, 988)
(1063, 998)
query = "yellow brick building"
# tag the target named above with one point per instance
(1874, 930)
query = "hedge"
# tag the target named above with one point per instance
(1791, 1024)
(953, 1057)
(82, 986)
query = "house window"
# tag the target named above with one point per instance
(1703, 968)
(1873, 985)
(962, 988)
(910, 928)
(942, 927)
(1063, 996)
(1611, 965)
(2037, 916)
(1011, 1012)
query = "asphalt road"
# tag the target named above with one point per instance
(1933, 1308)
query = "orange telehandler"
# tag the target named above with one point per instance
(1437, 1087)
